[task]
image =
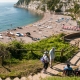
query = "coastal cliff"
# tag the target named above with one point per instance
(67, 7)
(35, 6)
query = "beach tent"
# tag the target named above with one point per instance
(19, 34)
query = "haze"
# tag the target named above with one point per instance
(8, 0)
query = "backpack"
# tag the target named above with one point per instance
(42, 59)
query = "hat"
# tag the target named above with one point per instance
(45, 52)
(53, 47)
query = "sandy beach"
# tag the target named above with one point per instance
(48, 25)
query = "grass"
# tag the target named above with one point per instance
(61, 78)
(25, 67)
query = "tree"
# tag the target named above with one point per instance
(51, 4)
(76, 9)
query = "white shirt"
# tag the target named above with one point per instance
(46, 58)
(52, 54)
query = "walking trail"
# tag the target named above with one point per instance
(74, 61)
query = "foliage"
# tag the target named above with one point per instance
(21, 52)
(43, 8)
(14, 48)
(21, 1)
(35, 50)
(76, 8)
(75, 11)
(10, 61)
(24, 68)
(51, 4)
(18, 50)
(62, 78)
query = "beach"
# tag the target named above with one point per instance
(50, 24)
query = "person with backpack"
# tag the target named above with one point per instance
(46, 62)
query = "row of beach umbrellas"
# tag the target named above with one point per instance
(71, 28)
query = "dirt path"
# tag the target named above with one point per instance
(51, 72)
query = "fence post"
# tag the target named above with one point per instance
(2, 57)
(61, 55)
(31, 51)
(0, 61)
(78, 43)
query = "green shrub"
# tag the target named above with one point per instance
(60, 59)
(20, 50)
(10, 61)
(30, 56)
(62, 78)
(17, 49)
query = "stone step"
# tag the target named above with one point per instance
(50, 72)
(23, 78)
(76, 59)
(78, 63)
(16, 78)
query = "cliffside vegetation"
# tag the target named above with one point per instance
(69, 7)
(50, 3)
(22, 1)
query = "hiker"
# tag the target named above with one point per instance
(67, 70)
(52, 56)
(46, 62)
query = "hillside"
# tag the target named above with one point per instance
(68, 7)
(19, 58)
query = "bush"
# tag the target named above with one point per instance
(10, 61)
(20, 50)
(60, 59)
(17, 49)
(30, 56)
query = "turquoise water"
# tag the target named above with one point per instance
(11, 17)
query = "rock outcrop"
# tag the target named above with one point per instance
(33, 6)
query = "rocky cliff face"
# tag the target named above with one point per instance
(66, 6)
(33, 6)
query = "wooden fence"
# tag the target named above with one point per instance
(62, 51)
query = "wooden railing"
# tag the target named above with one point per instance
(62, 51)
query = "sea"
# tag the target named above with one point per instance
(11, 17)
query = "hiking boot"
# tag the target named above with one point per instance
(51, 67)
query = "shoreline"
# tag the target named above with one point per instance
(41, 29)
